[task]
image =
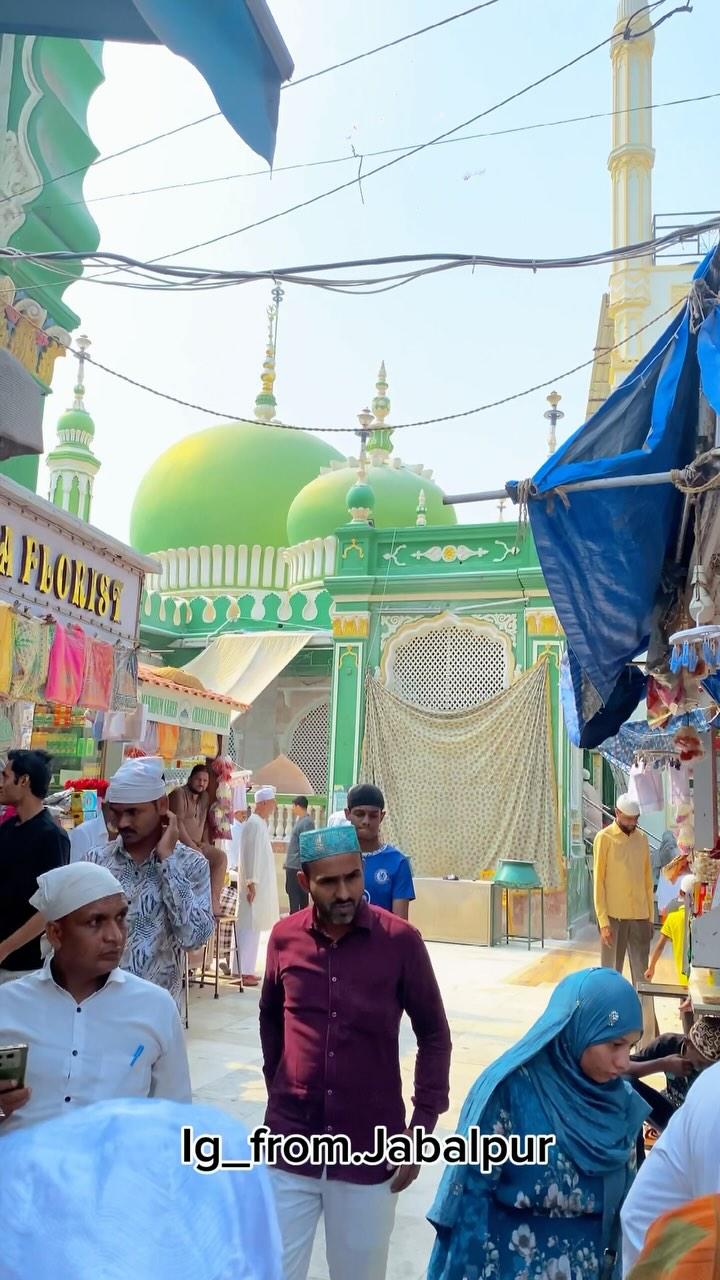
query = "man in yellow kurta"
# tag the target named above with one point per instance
(624, 903)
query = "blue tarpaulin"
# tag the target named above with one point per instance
(603, 551)
(637, 737)
(234, 44)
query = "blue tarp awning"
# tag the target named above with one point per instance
(603, 552)
(234, 44)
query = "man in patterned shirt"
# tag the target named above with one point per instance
(167, 885)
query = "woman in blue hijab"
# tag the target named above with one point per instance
(558, 1221)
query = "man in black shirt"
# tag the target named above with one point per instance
(30, 844)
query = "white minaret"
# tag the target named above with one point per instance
(72, 465)
(631, 164)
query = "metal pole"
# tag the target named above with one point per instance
(576, 486)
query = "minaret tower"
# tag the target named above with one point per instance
(631, 164)
(72, 464)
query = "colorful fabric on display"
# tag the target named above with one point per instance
(646, 786)
(499, 756)
(188, 744)
(208, 744)
(67, 666)
(7, 632)
(168, 735)
(150, 743)
(31, 656)
(124, 695)
(98, 676)
(683, 1244)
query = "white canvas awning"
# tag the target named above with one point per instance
(241, 666)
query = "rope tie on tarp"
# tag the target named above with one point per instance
(688, 479)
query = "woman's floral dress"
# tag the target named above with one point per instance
(523, 1222)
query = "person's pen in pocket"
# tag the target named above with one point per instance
(140, 1049)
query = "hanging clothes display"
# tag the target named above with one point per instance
(680, 784)
(125, 726)
(208, 744)
(67, 666)
(97, 676)
(7, 631)
(646, 786)
(31, 655)
(124, 694)
(168, 735)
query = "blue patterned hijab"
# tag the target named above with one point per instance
(596, 1125)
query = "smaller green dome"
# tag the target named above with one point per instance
(76, 420)
(360, 497)
(321, 508)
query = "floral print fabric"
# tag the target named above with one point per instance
(524, 1222)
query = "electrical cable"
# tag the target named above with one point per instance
(402, 426)
(447, 133)
(301, 275)
(214, 115)
(369, 155)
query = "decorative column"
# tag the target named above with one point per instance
(631, 163)
(351, 632)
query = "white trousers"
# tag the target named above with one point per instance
(248, 945)
(358, 1225)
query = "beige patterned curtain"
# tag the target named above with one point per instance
(465, 788)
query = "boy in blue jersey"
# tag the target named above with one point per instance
(388, 878)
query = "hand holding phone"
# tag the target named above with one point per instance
(13, 1093)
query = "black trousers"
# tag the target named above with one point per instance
(297, 897)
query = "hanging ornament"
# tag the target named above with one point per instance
(696, 650)
(688, 744)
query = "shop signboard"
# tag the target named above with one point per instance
(189, 711)
(57, 565)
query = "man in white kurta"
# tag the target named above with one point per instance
(93, 1031)
(258, 904)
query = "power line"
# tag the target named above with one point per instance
(164, 276)
(402, 426)
(214, 115)
(369, 155)
(519, 93)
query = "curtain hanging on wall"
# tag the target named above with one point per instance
(465, 788)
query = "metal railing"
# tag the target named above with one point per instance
(693, 246)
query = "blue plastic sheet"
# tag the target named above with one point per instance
(602, 552)
(637, 736)
(219, 37)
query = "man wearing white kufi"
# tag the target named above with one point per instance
(93, 1032)
(258, 906)
(624, 899)
(167, 884)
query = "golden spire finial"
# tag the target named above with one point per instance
(265, 402)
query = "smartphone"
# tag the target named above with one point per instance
(13, 1063)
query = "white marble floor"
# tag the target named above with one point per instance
(491, 997)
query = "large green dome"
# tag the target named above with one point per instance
(321, 508)
(231, 484)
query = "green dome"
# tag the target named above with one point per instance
(231, 484)
(76, 420)
(360, 497)
(322, 506)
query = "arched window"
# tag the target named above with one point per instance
(447, 664)
(308, 747)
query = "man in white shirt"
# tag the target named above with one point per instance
(258, 907)
(93, 1031)
(683, 1165)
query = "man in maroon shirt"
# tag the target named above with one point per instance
(338, 977)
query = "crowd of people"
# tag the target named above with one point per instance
(95, 1089)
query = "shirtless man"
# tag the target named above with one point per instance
(191, 805)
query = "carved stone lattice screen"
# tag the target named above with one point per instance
(448, 668)
(308, 747)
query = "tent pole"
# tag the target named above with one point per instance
(614, 482)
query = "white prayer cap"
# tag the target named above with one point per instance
(137, 781)
(265, 793)
(65, 889)
(586, 775)
(687, 884)
(625, 804)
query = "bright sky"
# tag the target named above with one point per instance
(449, 342)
